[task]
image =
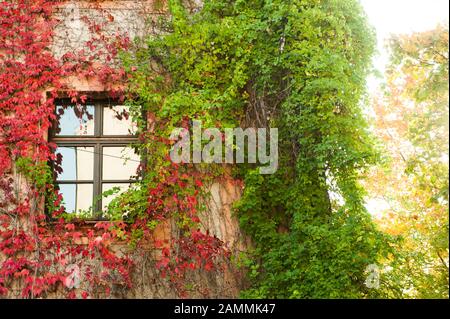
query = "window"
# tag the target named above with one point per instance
(94, 142)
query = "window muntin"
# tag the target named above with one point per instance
(96, 155)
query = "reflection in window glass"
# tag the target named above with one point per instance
(76, 120)
(119, 163)
(107, 186)
(77, 163)
(77, 197)
(117, 121)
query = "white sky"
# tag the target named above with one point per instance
(402, 16)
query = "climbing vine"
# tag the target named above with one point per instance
(54, 254)
(299, 66)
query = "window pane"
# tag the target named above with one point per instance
(77, 197)
(107, 186)
(77, 163)
(119, 163)
(117, 121)
(75, 120)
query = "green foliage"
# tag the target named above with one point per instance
(415, 112)
(300, 66)
(127, 205)
(38, 172)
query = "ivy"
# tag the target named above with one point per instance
(300, 66)
(41, 244)
(297, 65)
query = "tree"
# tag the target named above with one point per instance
(412, 122)
(299, 66)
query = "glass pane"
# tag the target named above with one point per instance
(117, 121)
(119, 163)
(77, 163)
(107, 186)
(77, 197)
(75, 120)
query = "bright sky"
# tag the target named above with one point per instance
(393, 17)
(402, 16)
